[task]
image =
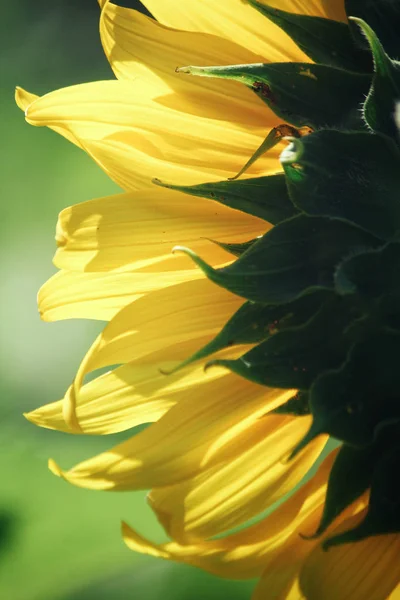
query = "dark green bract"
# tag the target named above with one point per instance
(321, 288)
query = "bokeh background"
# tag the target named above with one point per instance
(58, 542)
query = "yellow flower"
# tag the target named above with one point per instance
(211, 457)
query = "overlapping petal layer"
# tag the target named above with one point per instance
(180, 313)
(233, 492)
(230, 19)
(137, 45)
(199, 431)
(246, 554)
(128, 129)
(76, 295)
(328, 9)
(130, 395)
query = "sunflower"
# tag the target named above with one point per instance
(288, 277)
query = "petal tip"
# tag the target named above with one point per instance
(54, 468)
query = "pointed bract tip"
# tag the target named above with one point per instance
(210, 364)
(164, 371)
(182, 249)
(186, 70)
(312, 433)
(311, 536)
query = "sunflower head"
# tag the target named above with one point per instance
(299, 262)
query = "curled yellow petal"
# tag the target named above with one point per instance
(130, 395)
(187, 438)
(113, 402)
(24, 98)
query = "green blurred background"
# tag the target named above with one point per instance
(58, 542)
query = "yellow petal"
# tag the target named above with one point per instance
(114, 402)
(74, 295)
(280, 579)
(167, 325)
(328, 9)
(128, 396)
(245, 555)
(161, 319)
(230, 19)
(395, 595)
(187, 438)
(365, 569)
(137, 45)
(24, 99)
(233, 492)
(131, 230)
(134, 135)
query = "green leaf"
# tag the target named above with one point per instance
(298, 255)
(349, 478)
(303, 94)
(379, 107)
(253, 323)
(383, 16)
(294, 357)
(263, 197)
(323, 40)
(350, 403)
(383, 515)
(354, 176)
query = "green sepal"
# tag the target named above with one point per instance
(273, 138)
(352, 402)
(303, 94)
(379, 107)
(323, 40)
(371, 274)
(349, 478)
(250, 324)
(294, 357)
(263, 197)
(253, 323)
(383, 16)
(235, 249)
(297, 406)
(296, 256)
(374, 276)
(383, 513)
(353, 176)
